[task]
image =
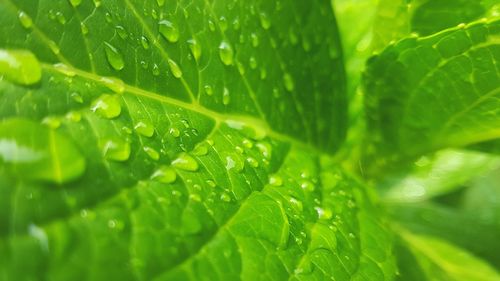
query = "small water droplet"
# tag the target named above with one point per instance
(252, 162)
(164, 174)
(25, 20)
(77, 97)
(233, 162)
(60, 18)
(307, 186)
(324, 214)
(116, 149)
(75, 3)
(156, 70)
(226, 53)
(289, 83)
(144, 128)
(275, 180)
(74, 116)
(247, 143)
(195, 48)
(145, 42)
(174, 132)
(208, 90)
(64, 69)
(121, 32)
(168, 30)
(236, 24)
(160, 3)
(211, 25)
(200, 150)
(255, 39)
(223, 23)
(107, 106)
(265, 22)
(226, 98)
(225, 197)
(20, 67)
(185, 162)
(152, 153)
(114, 57)
(253, 62)
(114, 84)
(176, 71)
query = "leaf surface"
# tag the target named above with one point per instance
(205, 128)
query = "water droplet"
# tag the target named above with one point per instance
(289, 83)
(160, 3)
(233, 162)
(293, 36)
(247, 143)
(108, 17)
(223, 23)
(25, 20)
(195, 48)
(275, 180)
(60, 18)
(107, 106)
(74, 116)
(324, 214)
(241, 68)
(75, 3)
(255, 39)
(121, 32)
(52, 122)
(461, 25)
(208, 90)
(252, 162)
(36, 152)
(77, 97)
(145, 42)
(236, 24)
(152, 153)
(144, 128)
(226, 98)
(296, 204)
(114, 57)
(20, 67)
(64, 69)
(265, 149)
(165, 174)
(116, 149)
(156, 70)
(176, 71)
(225, 197)
(265, 22)
(253, 63)
(211, 25)
(114, 84)
(174, 132)
(307, 186)
(200, 150)
(226, 53)
(185, 162)
(169, 31)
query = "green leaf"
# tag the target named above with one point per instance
(206, 129)
(428, 93)
(436, 175)
(440, 260)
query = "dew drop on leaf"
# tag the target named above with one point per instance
(160, 3)
(253, 63)
(145, 42)
(252, 162)
(152, 153)
(107, 106)
(208, 90)
(174, 132)
(20, 67)
(116, 149)
(75, 3)
(35, 152)
(226, 53)
(156, 70)
(185, 162)
(255, 39)
(275, 180)
(174, 68)
(265, 22)
(226, 98)
(52, 122)
(25, 20)
(114, 84)
(225, 197)
(195, 48)
(289, 83)
(164, 174)
(144, 128)
(114, 57)
(121, 32)
(168, 30)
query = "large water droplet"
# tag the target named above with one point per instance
(33, 151)
(226, 53)
(116, 149)
(168, 30)
(176, 71)
(144, 128)
(165, 174)
(20, 67)
(107, 106)
(114, 57)
(185, 162)
(25, 20)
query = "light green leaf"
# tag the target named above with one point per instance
(428, 93)
(440, 260)
(435, 175)
(206, 128)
